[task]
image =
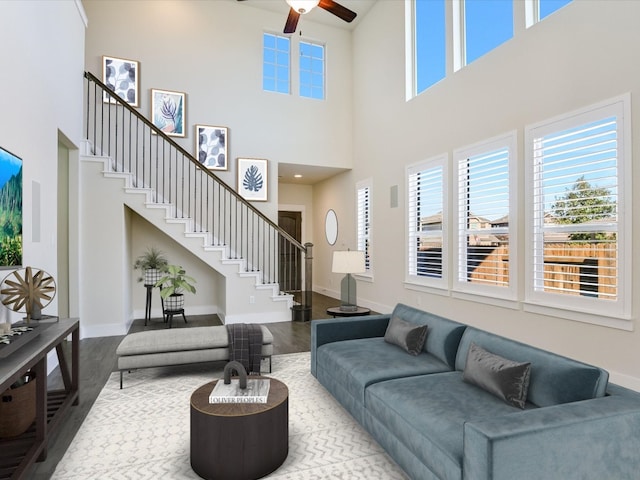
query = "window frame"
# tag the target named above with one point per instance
(617, 312)
(509, 292)
(276, 64)
(363, 237)
(412, 278)
(311, 72)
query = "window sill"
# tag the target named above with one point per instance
(577, 316)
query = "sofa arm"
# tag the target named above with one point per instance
(591, 439)
(346, 328)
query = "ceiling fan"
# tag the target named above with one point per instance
(301, 7)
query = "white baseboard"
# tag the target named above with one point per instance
(264, 317)
(624, 380)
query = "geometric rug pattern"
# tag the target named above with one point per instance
(142, 431)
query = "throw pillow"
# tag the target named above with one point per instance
(500, 376)
(408, 336)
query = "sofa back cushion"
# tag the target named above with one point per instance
(443, 335)
(554, 379)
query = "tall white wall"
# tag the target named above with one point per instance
(41, 83)
(580, 55)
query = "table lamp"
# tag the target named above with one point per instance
(351, 261)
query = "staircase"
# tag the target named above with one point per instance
(131, 162)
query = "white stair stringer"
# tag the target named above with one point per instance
(263, 303)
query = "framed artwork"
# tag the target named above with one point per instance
(10, 209)
(168, 111)
(122, 77)
(211, 146)
(253, 179)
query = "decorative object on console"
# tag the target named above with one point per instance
(350, 261)
(151, 264)
(24, 289)
(211, 146)
(168, 111)
(253, 182)
(121, 76)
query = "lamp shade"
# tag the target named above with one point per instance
(303, 6)
(351, 261)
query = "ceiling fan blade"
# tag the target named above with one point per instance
(292, 21)
(338, 10)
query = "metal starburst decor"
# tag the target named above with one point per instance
(26, 288)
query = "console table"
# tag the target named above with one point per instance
(18, 454)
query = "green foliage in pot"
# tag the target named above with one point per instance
(151, 259)
(175, 281)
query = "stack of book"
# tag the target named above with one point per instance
(257, 391)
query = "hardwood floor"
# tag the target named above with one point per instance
(98, 361)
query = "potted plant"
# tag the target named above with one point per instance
(151, 263)
(172, 285)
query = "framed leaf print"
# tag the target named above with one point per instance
(121, 76)
(253, 179)
(168, 111)
(211, 146)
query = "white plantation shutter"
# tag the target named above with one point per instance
(427, 219)
(485, 222)
(363, 202)
(577, 225)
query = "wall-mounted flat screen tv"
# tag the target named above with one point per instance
(10, 210)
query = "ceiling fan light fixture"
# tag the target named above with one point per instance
(303, 6)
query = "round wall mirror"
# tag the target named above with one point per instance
(331, 227)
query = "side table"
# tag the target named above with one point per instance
(336, 312)
(239, 441)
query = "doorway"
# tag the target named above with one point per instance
(290, 264)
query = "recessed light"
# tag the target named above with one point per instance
(297, 175)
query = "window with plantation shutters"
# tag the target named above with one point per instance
(576, 221)
(427, 223)
(363, 202)
(486, 225)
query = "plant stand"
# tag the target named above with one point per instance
(147, 309)
(168, 316)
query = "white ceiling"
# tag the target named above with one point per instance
(310, 174)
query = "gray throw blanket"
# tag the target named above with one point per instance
(245, 346)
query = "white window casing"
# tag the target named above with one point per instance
(578, 217)
(364, 223)
(427, 223)
(486, 223)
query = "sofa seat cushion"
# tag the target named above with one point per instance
(180, 340)
(358, 363)
(427, 414)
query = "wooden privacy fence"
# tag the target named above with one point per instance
(569, 268)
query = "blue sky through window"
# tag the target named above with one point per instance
(547, 7)
(430, 43)
(275, 63)
(311, 70)
(488, 24)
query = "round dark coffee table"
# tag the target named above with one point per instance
(239, 441)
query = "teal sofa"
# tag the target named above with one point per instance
(436, 425)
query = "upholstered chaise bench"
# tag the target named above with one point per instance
(160, 348)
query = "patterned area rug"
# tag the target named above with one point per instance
(142, 431)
